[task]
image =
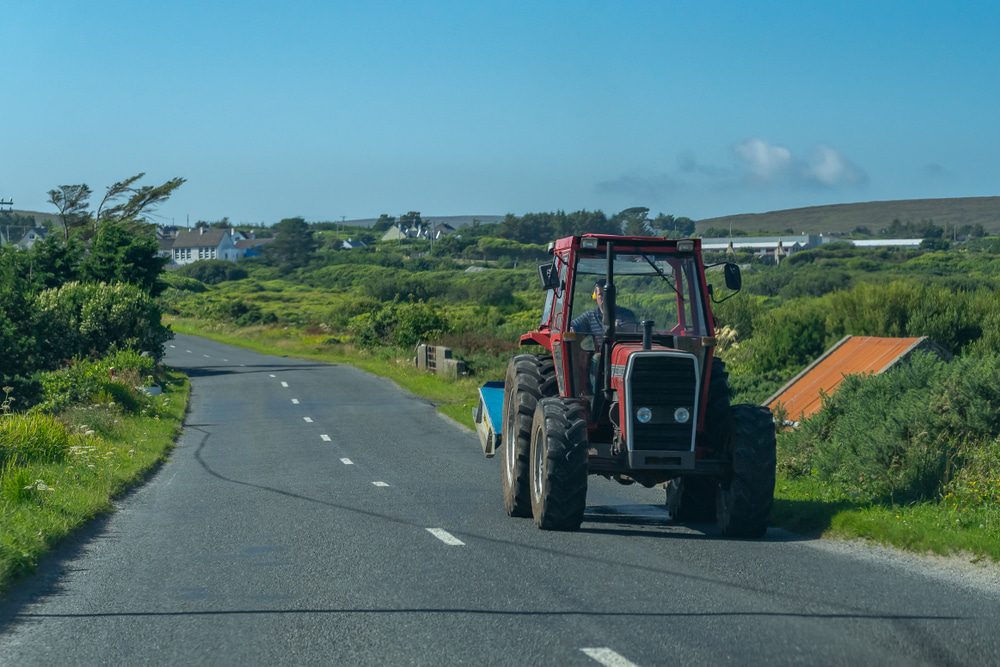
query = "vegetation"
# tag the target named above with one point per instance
(81, 333)
(868, 465)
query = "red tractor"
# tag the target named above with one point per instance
(625, 384)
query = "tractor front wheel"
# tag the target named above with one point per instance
(529, 378)
(559, 464)
(745, 495)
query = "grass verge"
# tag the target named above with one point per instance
(42, 503)
(802, 506)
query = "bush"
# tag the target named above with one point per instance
(398, 324)
(212, 271)
(32, 438)
(115, 378)
(918, 432)
(90, 319)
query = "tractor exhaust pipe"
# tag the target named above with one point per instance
(609, 318)
(647, 334)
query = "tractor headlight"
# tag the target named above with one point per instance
(682, 415)
(643, 415)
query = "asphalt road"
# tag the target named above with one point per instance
(314, 514)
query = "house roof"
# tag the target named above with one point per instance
(852, 355)
(199, 238)
(252, 243)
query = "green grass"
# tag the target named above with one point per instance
(811, 507)
(109, 452)
(801, 505)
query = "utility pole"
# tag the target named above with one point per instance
(6, 205)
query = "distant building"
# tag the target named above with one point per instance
(31, 237)
(769, 244)
(251, 247)
(351, 244)
(191, 245)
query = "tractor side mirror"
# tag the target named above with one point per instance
(549, 276)
(734, 280)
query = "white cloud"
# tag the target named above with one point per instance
(829, 168)
(765, 162)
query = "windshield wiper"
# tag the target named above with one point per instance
(660, 273)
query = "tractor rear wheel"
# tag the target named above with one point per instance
(559, 464)
(745, 496)
(529, 378)
(691, 499)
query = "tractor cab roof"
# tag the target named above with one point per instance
(626, 243)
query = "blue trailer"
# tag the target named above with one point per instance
(488, 416)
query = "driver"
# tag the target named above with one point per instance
(592, 321)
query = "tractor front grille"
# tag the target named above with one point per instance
(662, 382)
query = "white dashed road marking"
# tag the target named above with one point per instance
(446, 537)
(380, 484)
(347, 462)
(225, 359)
(295, 401)
(285, 385)
(271, 375)
(174, 346)
(607, 657)
(206, 356)
(308, 420)
(188, 351)
(325, 438)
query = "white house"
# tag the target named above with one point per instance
(191, 245)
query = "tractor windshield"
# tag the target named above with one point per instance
(664, 288)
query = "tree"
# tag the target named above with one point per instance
(384, 222)
(141, 201)
(54, 262)
(72, 202)
(633, 221)
(123, 254)
(293, 246)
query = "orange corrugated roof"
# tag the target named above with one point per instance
(852, 355)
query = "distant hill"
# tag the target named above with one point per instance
(453, 220)
(874, 215)
(46, 219)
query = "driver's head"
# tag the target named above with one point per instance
(598, 293)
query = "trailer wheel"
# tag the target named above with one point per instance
(529, 378)
(745, 496)
(559, 464)
(691, 499)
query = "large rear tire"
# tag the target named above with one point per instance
(528, 379)
(745, 496)
(559, 464)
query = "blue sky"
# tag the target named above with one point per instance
(330, 109)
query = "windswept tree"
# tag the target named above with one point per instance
(125, 202)
(72, 202)
(293, 246)
(633, 221)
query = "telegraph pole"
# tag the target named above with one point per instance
(6, 206)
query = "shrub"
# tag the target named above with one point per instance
(89, 319)
(212, 271)
(398, 324)
(918, 432)
(32, 438)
